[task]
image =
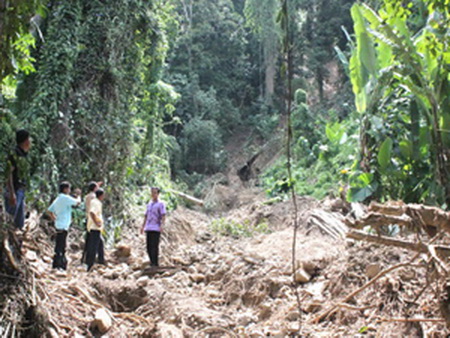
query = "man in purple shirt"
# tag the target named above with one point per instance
(154, 219)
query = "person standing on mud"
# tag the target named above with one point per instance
(17, 178)
(95, 227)
(92, 188)
(154, 220)
(61, 212)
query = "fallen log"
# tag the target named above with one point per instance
(188, 197)
(414, 216)
(389, 241)
(375, 219)
(432, 251)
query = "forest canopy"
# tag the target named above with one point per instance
(151, 92)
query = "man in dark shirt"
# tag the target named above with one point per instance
(17, 178)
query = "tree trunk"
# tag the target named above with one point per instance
(270, 78)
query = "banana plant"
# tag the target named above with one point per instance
(399, 62)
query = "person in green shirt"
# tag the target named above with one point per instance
(17, 178)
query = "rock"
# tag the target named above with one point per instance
(142, 281)
(192, 269)
(245, 318)
(197, 277)
(408, 275)
(293, 329)
(38, 268)
(60, 273)
(212, 293)
(372, 270)
(256, 333)
(203, 236)
(102, 321)
(265, 310)
(170, 331)
(52, 333)
(312, 306)
(31, 256)
(293, 316)
(301, 276)
(123, 251)
(47, 259)
(310, 267)
(250, 260)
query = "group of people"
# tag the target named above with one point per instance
(60, 211)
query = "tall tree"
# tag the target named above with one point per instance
(261, 17)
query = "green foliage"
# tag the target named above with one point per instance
(385, 154)
(321, 23)
(18, 30)
(400, 83)
(97, 104)
(202, 147)
(225, 227)
(218, 65)
(321, 167)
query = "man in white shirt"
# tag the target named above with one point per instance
(61, 212)
(92, 188)
(95, 227)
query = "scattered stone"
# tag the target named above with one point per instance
(313, 306)
(197, 277)
(168, 330)
(60, 273)
(31, 256)
(301, 276)
(38, 268)
(250, 260)
(293, 316)
(203, 236)
(372, 270)
(142, 281)
(265, 310)
(408, 275)
(256, 333)
(123, 251)
(245, 318)
(293, 329)
(310, 267)
(102, 321)
(47, 259)
(52, 333)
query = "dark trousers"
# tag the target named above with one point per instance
(153, 246)
(17, 211)
(94, 247)
(59, 260)
(85, 247)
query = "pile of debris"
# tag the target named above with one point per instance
(212, 285)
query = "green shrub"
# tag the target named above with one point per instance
(226, 227)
